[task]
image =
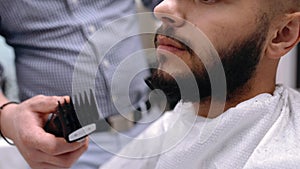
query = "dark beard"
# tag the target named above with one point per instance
(239, 63)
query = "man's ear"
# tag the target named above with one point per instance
(285, 37)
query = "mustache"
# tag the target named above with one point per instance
(169, 32)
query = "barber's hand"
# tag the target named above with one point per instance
(23, 123)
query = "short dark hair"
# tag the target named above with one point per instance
(296, 5)
(279, 7)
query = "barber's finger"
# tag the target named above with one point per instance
(50, 144)
(64, 160)
(60, 146)
(37, 159)
(45, 165)
(45, 104)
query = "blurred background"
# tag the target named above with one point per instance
(288, 71)
(7, 60)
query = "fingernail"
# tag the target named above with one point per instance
(81, 140)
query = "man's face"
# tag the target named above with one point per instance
(236, 28)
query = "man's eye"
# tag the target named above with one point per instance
(209, 1)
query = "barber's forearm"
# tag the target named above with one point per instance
(6, 117)
(3, 100)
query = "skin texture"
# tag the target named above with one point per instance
(226, 22)
(23, 123)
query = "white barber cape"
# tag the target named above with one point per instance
(260, 133)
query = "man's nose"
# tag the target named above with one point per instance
(169, 12)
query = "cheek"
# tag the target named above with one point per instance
(220, 37)
(198, 67)
(223, 31)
